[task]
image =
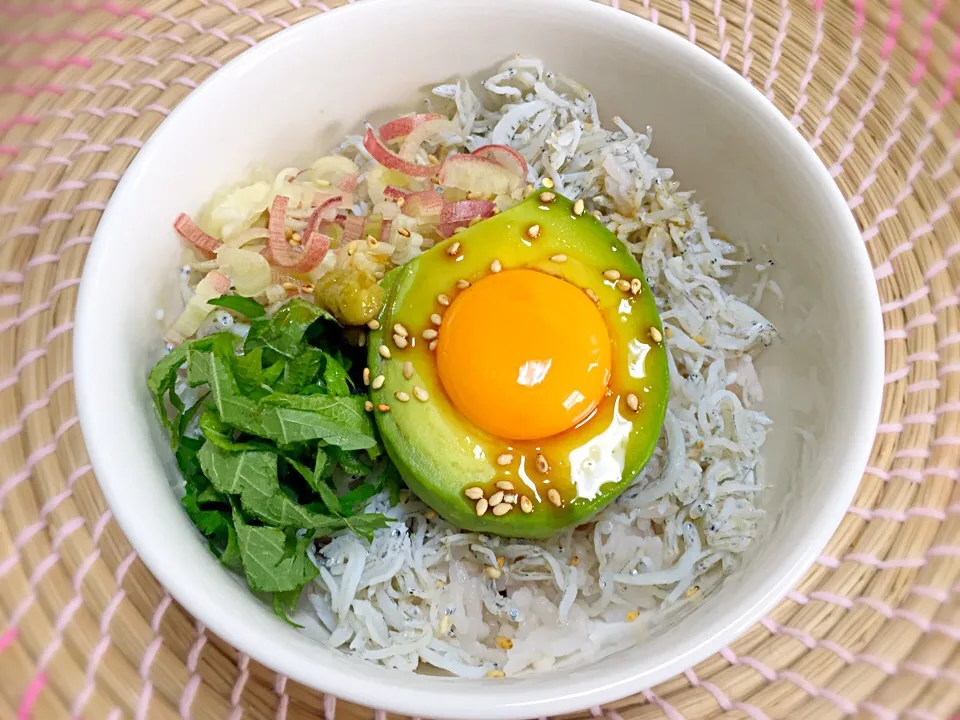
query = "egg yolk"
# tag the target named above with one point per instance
(524, 355)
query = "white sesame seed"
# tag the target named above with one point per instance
(420, 394)
(368, 406)
(636, 285)
(623, 285)
(482, 506)
(474, 493)
(463, 284)
(401, 396)
(496, 498)
(408, 370)
(429, 334)
(542, 464)
(505, 459)
(578, 207)
(454, 249)
(559, 258)
(403, 231)
(384, 352)
(547, 197)
(436, 319)
(633, 402)
(495, 266)
(443, 300)
(502, 509)
(362, 341)
(494, 574)
(366, 376)
(554, 497)
(400, 341)
(592, 295)
(378, 382)
(533, 231)
(655, 334)
(525, 504)
(611, 274)
(400, 330)
(548, 183)
(433, 345)
(504, 485)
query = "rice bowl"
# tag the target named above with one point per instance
(547, 604)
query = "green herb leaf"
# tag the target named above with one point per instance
(272, 561)
(251, 474)
(248, 372)
(366, 525)
(273, 373)
(392, 482)
(339, 421)
(354, 500)
(317, 481)
(231, 556)
(243, 305)
(186, 455)
(281, 511)
(352, 463)
(335, 377)
(284, 332)
(162, 379)
(323, 467)
(182, 421)
(284, 602)
(234, 409)
(221, 435)
(301, 370)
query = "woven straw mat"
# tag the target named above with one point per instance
(871, 631)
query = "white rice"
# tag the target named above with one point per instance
(425, 594)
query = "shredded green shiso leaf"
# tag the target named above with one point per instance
(279, 415)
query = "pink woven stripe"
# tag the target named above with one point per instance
(280, 688)
(9, 635)
(834, 99)
(721, 698)
(48, 9)
(888, 667)
(17, 39)
(879, 606)
(25, 712)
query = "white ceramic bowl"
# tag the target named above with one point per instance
(289, 98)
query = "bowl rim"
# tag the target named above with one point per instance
(517, 698)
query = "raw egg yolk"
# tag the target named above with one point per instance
(524, 355)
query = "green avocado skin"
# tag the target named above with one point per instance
(431, 443)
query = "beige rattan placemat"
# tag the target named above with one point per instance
(873, 629)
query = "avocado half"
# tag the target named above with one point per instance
(441, 454)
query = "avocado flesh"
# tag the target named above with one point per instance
(440, 453)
